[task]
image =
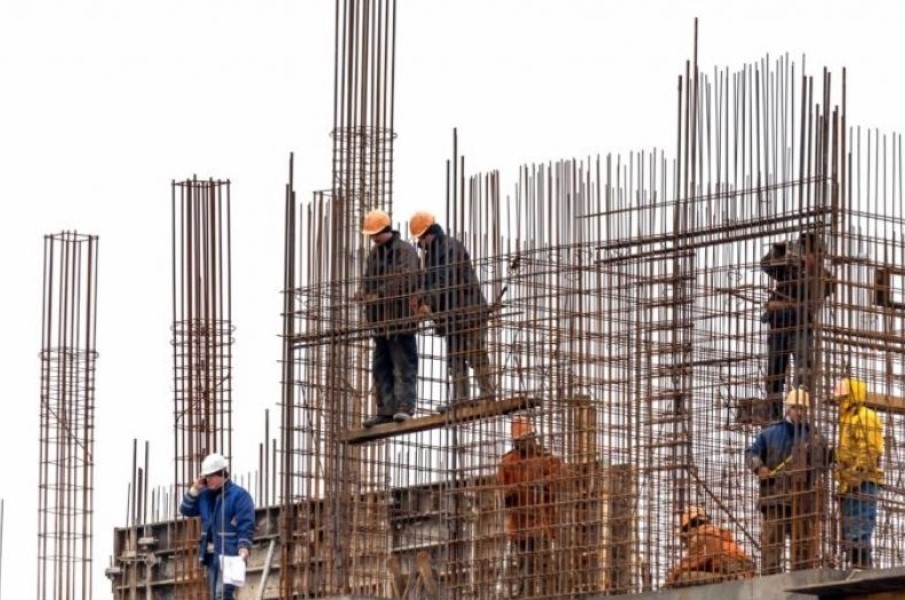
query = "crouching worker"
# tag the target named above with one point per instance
(712, 553)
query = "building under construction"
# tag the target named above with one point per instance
(626, 318)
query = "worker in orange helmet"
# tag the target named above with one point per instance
(858, 473)
(459, 309)
(712, 553)
(531, 477)
(389, 291)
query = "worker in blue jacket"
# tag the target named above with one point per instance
(227, 520)
(789, 459)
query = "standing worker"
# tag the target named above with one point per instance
(460, 311)
(858, 470)
(227, 520)
(788, 458)
(389, 291)
(801, 286)
(712, 553)
(530, 476)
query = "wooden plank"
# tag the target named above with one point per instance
(473, 412)
(885, 403)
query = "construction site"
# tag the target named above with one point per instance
(604, 395)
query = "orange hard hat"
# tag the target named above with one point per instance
(420, 222)
(522, 427)
(692, 513)
(375, 222)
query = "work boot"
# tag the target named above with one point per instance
(376, 420)
(402, 416)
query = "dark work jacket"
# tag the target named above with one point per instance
(796, 454)
(806, 286)
(227, 518)
(451, 287)
(390, 280)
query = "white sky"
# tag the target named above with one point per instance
(104, 102)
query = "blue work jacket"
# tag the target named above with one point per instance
(227, 519)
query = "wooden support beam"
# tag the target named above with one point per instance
(472, 412)
(885, 403)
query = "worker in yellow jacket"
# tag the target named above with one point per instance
(858, 473)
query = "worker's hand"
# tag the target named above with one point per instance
(243, 552)
(199, 484)
(763, 472)
(424, 310)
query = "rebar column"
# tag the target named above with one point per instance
(66, 447)
(202, 345)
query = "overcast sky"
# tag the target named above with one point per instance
(104, 102)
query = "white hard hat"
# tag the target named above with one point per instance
(213, 463)
(843, 388)
(798, 397)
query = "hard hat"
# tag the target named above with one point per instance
(375, 222)
(843, 388)
(692, 513)
(798, 397)
(521, 427)
(213, 463)
(420, 222)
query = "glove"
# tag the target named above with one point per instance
(243, 552)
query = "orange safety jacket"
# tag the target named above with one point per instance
(530, 486)
(712, 549)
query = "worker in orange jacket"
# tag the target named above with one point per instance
(712, 553)
(530, 476)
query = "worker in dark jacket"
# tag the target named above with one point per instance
(531, 478)
(712, 553)
(789, 458)
(453, 295)
(227, 520)
(801, 286)
(389, 290)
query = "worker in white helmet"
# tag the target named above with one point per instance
(788, 458)
(227, 514)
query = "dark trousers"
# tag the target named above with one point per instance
(469, 349)
(859, 519)
(779, 524)
(784, 343)
(215, 581)
(395, 370)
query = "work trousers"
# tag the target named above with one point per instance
(859, 519)
(538, 574)
(784, 343)
(469, 349)
(779, 524)
(215, 585)
(395, 370)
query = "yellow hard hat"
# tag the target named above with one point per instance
(692, 513)
(798, 397)
(375, 222)
(420, 222)
(521, 427)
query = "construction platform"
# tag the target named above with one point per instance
(464, 414)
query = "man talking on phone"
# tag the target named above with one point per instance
(227, 514)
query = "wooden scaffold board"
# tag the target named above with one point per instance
(463, 414)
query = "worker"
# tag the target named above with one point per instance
(389, 291)
(801, 286)
(227, 514)
(858, 473)
(789, 458)
(458, 306)
(712, 555)
(530, 477)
